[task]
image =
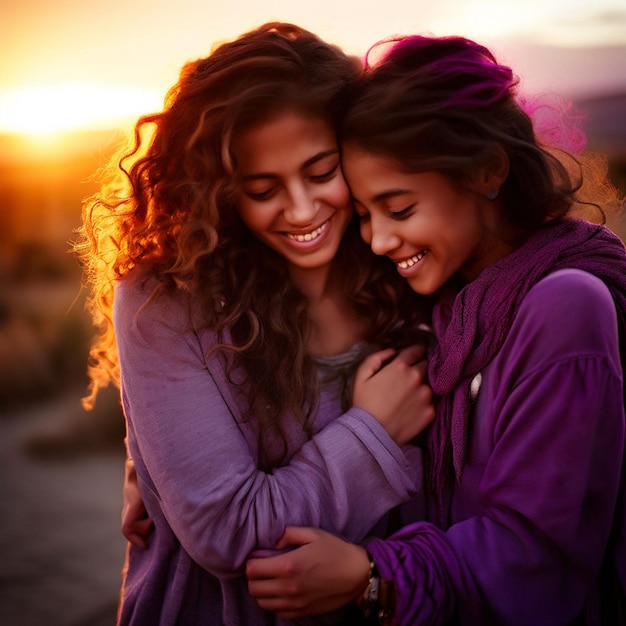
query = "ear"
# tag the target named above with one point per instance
(492, 176)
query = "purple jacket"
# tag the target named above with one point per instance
(196, 461)
(531, 514)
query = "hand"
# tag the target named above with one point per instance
(136, 525)
(322, 574)
(392, 388)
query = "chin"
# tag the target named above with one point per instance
(424, 289)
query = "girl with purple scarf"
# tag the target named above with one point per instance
(526, 454)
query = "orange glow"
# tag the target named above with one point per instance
(52, 109)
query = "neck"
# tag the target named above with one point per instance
(500, 240)
(315, 284)
(334, 325)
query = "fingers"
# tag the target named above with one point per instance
(274, 595)
(378, 360)
(137, 531)
(282, 565)
(271, 582)
(412, 354)
(374, 362)
(271, 567)
(137, 540)
(409, 366)
(295, 536)
(263, 588)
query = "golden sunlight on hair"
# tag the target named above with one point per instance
(50, 109)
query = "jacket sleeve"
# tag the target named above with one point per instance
(198, 468)
(545, 501)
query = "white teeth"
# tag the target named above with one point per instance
(309, 236)
(411, 261)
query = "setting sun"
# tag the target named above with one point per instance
(50, 109)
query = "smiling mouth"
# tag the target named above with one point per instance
(412, 260)
(310, 236)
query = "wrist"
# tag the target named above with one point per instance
(377, 597)
(363, 566)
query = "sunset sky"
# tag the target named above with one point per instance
(89, 63)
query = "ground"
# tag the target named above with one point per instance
(60, 541)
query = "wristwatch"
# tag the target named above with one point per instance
(377, 599)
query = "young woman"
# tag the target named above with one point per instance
(526, 500)
(236, 297)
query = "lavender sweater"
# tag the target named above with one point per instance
(196, 461)
(531, 515)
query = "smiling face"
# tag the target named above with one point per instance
(430, 229)
(292, 194)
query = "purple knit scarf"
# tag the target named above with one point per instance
(471, 325)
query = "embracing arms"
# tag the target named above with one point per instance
(194, 454)
(533, 514)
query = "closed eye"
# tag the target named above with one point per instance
(260, 196)
(326, 176)
(403, 213)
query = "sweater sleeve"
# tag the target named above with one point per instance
(544, 498)
(197, 465)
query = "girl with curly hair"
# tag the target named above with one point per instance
(234, 299)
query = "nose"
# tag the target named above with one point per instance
(301, 206)
(382, 237)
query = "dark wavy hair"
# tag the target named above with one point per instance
(445, 104)
(168, 203)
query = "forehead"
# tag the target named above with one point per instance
(286, 140)
(367, 172)
(357, 157)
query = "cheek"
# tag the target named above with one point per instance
(252, 215)
(338, 194)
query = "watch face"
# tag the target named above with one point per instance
(373, 589)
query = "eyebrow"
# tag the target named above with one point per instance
(391, 193)
(385, 195)
(314, 159)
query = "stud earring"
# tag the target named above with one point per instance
(492, 194)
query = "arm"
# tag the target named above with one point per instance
(322, 573)
(195, 461)
(531, 549)
(137, 526)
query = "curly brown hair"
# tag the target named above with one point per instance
(168, 203)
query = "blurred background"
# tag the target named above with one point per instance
(73, 76)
